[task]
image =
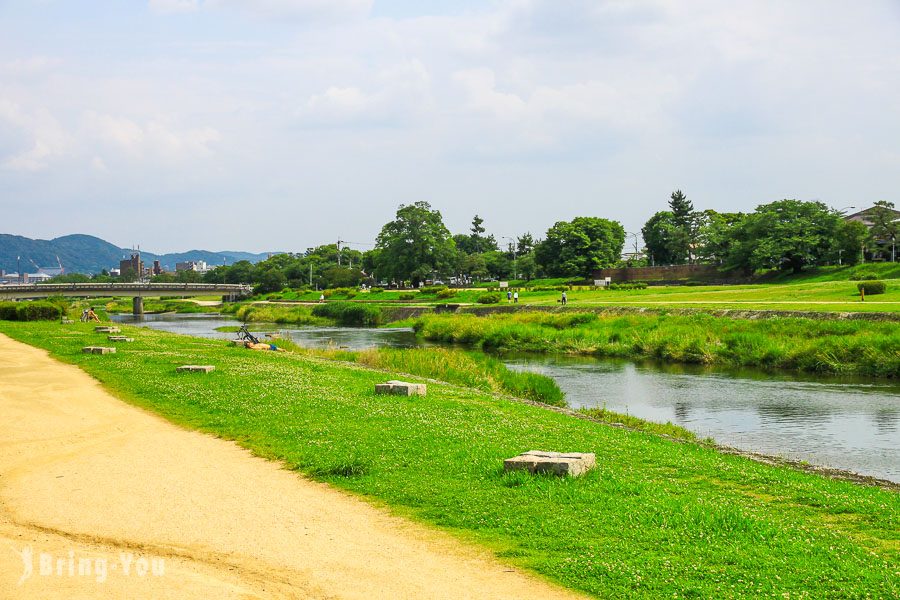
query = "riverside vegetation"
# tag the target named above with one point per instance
(825, 346)
(657, 518)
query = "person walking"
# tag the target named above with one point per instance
(508, 296)
(564, 300)
(516, 298)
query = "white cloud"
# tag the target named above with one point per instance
(174, 6)
(153, 138)
(44, 139)
(298, 9)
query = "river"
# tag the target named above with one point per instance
(851, 424)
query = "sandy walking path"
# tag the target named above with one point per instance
(95, 493)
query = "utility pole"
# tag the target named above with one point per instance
(310, 274)
(339, 242)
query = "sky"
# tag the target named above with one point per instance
(283, 124)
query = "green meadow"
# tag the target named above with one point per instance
(656, 518)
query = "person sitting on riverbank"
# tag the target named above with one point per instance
(91, 315)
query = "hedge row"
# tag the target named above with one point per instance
(30, 311)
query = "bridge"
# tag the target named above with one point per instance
(137, 291)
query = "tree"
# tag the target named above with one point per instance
(662, 239)
(684, 235)
(714, 235)
(578, 247)
(525, 244)
(785, 234)
(850, 238)
(885, 225)
(415, 244)
(478, 242)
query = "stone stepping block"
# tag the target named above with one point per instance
(98, 350)
(195, 369)
(400, 388)
(119, 338)
(570, 464)
(106, 329)
(67, 321)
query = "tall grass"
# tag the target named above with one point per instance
(839, 347)
(469, 369)
(267, 313)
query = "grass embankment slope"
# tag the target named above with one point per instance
(812, 345)
(804, 295)
(656, 518)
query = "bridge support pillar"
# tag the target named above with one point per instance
(137, 305)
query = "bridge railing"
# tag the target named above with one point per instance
(74, 288)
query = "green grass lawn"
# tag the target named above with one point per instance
(656, 519)
(841, 296)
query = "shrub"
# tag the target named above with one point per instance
(871, 287)
(631, 285)
(446, 293)
(38, 311)
(432, 289)
(489, 298)
(406, 297)
(348, 314)
(376, 290)
(865, 275)
(8, 311)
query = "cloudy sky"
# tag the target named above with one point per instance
(264, 124)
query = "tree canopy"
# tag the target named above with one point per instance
(415, 244)
(578, 247)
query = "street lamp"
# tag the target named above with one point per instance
(841, 211)
(514, 245)
(635, 236)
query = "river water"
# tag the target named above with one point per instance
(851, 424)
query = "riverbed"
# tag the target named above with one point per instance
(851, 424)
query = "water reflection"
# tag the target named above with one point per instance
(838, 422)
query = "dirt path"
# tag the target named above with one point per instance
(89, 482)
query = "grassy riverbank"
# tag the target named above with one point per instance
(657, 518)
(840, 347)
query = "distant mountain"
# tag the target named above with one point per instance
(81, 253)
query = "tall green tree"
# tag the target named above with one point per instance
(684, 218)
(885, 226)
(663, 239)
(415, 244)
(715, 235)
(576, 248)
(787, 234)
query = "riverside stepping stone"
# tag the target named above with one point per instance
(67, 321)
(400, 388)
(195, 369)
(570, 464)
(106, 329)
(119, 338)
(98, 350)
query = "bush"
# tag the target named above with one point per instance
(38, 311)
(871, 287)
(376, 290)
(406, 297)
(446, 293)
(432, 289)
(8, 311)
(348, 314)
(489, 298)
(631, 285)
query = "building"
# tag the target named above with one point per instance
(134, 265)
(157, 268)
(865, 216)
(192, 265)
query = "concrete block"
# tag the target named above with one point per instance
(400, 388)
(98, 350)
(67, 321)
(106, 329)
(571, 464)
(119, 338)
(195, 369)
